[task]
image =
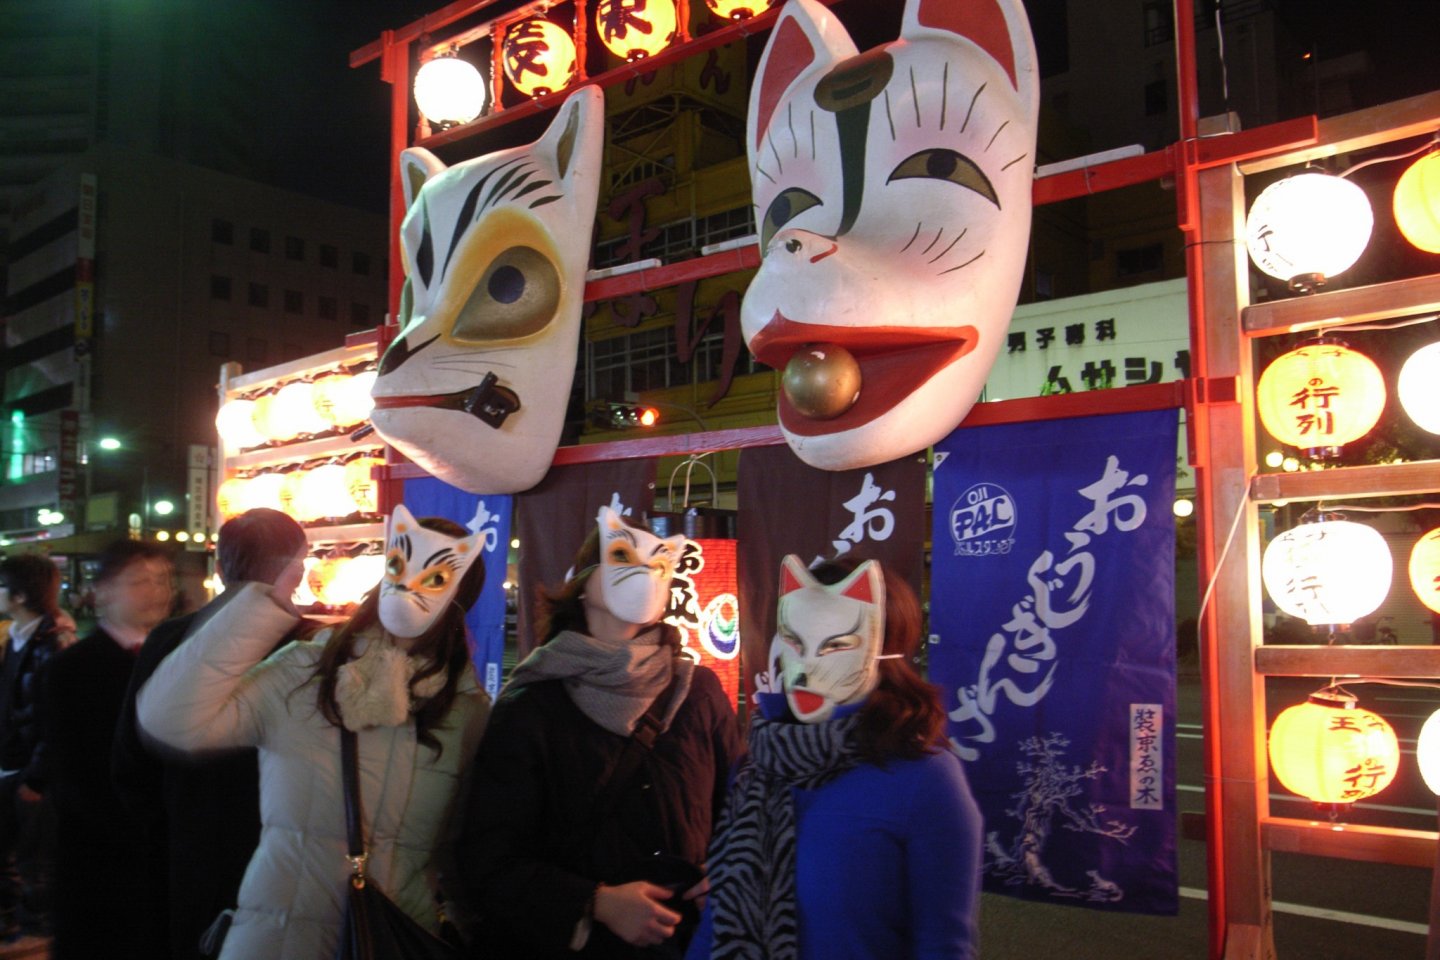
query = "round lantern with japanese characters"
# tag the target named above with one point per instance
(1320, 396)
(635, 29)
(1425, 569)
(1328, 570)
(539, 57)
(1331, 751)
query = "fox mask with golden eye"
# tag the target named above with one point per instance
(495, 248)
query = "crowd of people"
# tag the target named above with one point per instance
(242, 771)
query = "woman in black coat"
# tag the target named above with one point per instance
(604, 765)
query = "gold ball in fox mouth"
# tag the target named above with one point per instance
(822, 381)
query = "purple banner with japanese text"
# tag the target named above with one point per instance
(1052, 612)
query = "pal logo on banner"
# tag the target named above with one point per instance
(982, 521)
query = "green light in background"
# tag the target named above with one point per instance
(17, 445)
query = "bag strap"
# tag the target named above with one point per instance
(642, 740)
(350, 773)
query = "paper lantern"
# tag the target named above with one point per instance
(353, 577)
(1330, 571)
(1417, 203)
(319, 575)
(323, 494)
(1419, 387)
(539, 57)
(361, 486)
(1331, 751)
(737, 9)
(1320, 396)
(304, 595)
(294, 406)
(1427, 752)
(344, 400)
(1425, 569)
(1307, 228)
(264, 490)
(290, 494)
(635, 29)
(232, 497)
(235, 422)
(449, 90)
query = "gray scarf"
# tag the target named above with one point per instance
(613, 682)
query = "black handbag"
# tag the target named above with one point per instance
(374, 928)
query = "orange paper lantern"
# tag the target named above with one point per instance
(539, 57)
(361, 485)
(1320, 396)
(1417, 203)
(635, 29)
(1331, 751)
(1425, 569)
(230, 498)
(737, 9)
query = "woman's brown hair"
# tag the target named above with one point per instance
(563, 608)
(903, 716)
(441, 648)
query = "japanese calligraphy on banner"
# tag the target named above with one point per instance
(477, 513)
(1052, 612)
(556, 515)
(705, 608)
(878, 513)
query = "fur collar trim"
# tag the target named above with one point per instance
(375, 690)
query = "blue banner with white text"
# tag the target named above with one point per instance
(429, 497)
(1052, 612)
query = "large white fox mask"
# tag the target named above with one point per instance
(892, 190)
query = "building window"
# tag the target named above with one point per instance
(219, 343)
(329, 256)
(1159, 22)
(259, 296)
(259, 240)
(1156, 98)
(294, 248)
(360, 314)
(219, 287)
(294, 301)
(360, 263)
(222, 231)
(254, 350)
(327, 308)
(1139, 261)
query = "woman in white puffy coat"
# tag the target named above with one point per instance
(399, 674)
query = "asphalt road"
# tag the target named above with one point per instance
(1325, 909)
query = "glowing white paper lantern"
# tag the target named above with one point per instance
(235, 422)
(1327, 572)
(294, 408)
(323, 493)
(1419, 387)
(1307, 228)
(1427, 752)
(449, 90)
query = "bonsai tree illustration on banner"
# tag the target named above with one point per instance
(892, 190)
(474, 389)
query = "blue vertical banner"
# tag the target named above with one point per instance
(1052, 610)
(490, 514)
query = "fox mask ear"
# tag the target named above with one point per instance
(807, 37)
(998, 27)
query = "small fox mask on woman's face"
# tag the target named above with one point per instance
(423, 569)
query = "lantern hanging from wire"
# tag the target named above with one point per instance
(1425, 569)
(1307, 228)
(1327, 570)
(737, 9)
(1419, 387)
(635, 29)
(539, 57)
(1320, 396)
(450, 90)
(1332, 751)
(1417, 202)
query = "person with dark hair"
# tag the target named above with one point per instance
(605, 763)
(398, 675)
(29, 599)
(96, 840)
(851, 832)
(210, 803)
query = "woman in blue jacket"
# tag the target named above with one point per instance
(850, 832)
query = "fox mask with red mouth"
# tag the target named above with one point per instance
(893, 191)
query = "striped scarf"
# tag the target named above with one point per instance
(752, 857)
